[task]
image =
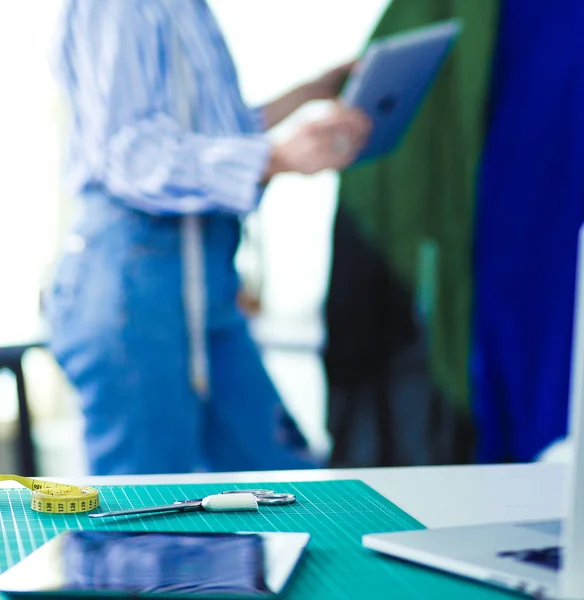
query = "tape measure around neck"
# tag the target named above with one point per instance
(57, 498)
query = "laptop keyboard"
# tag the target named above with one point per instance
(549, 558)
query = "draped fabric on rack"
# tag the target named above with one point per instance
(530, 206)
(413, 212)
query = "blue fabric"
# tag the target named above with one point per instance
(530, 206)
(129, 68)
(118, 331)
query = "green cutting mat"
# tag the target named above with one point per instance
(335, 513)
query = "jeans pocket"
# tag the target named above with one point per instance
(65, 288)
(60, 303)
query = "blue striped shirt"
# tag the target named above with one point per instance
(127, 67)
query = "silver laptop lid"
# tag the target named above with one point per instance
(572, 574)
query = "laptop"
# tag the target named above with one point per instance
(392, 79)
(541, 559)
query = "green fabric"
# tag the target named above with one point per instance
(417, 205)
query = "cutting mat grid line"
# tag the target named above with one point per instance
(336, 514)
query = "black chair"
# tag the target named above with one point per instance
(11, 357)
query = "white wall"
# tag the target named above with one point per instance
(29, 159)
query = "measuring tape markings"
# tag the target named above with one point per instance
(57, 498)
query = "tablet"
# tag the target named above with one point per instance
(157, 565)
(392, 79)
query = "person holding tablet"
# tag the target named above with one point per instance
(166, 158)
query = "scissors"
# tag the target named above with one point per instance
(263, 497)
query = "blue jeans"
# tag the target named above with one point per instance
(118, 331)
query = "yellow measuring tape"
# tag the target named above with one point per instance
(57, 498)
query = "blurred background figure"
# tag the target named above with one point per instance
(166, 158)
(291, 224)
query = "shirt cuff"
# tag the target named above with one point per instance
(233, 172)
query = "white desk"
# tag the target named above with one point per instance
(436, 496)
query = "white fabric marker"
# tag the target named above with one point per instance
(227, 502)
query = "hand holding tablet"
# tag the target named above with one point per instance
(392, 79)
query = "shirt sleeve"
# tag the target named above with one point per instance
(157, 167)
(147, 158)
(258, 118)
